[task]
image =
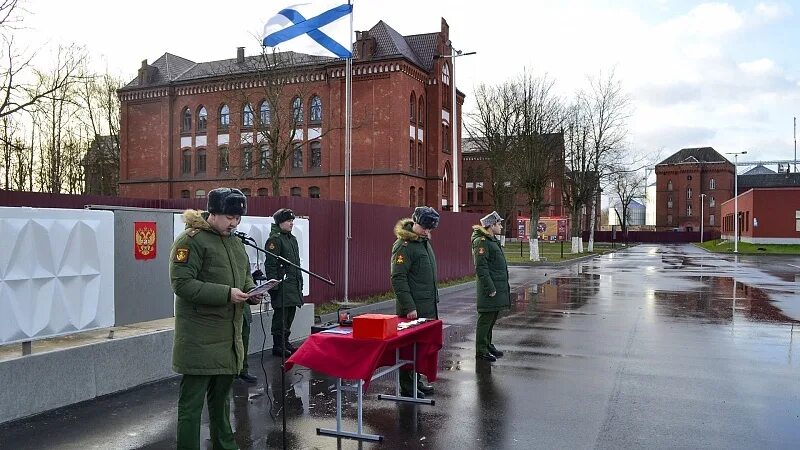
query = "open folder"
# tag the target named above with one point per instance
(262, 289)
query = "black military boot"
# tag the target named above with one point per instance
(288, 345)
(494, 351)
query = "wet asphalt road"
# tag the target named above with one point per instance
(653, 347)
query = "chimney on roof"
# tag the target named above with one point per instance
(144, 74)
(365, 46)
(239, 55)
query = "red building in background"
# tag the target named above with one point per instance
(689, 183)
(189, 127)
(766, 216)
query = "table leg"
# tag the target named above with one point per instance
(338, 432)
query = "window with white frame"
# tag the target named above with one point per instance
(689, 193)
(711, 220)
(689, 210)
(712, 184)
(712, 202)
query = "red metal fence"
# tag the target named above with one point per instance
(370, 246)
(664, 237)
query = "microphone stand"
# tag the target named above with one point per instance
(250, 242)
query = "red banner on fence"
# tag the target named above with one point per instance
(144, 240)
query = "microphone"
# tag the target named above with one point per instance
(243, 236)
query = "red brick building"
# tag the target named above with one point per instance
(766, 216)
(687, 178)
(185, 126)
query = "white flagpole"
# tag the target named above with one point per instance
(348, 130)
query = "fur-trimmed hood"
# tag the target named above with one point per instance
(403, 230)
(196, 219)
(479, 229)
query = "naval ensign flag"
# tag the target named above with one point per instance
(319, 28)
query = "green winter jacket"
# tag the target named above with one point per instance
(290, 291)
(203, 268)
(491, 270)
(414, 272)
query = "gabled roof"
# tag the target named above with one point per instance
(227, 67)
(391, 44)
(166, 69)
(759, 170)
(694, 156)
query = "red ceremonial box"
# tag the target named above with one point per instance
(374, 326)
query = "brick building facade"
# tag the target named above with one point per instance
(189, 127)
(684, 180)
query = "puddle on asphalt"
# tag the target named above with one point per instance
(711, 299)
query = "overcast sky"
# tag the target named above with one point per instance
(723, 74)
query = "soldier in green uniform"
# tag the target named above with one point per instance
(288, 295)
(210, 275)
(494, 293)
(414, 279)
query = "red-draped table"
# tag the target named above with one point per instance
(342, 356)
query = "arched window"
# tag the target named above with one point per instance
(421, 113)
(313, 192)
(245, 191)
(224, 160)
(446, 138)
(316, 154)
(247, 157)
(446, 177)
(420, 158)
(689, 209)
(247, 115)
(224, 117)
(264, 114)
(186, 122)
(200, 161)
(412, 194)
(316, 109)
(297, 110)
(297, 157)
(200, 193)
(669, 185)
(669, 202)
(411, 154)
(185, 193)
(712, 202)
(262, 192)
(412, 108)
(689, 193)
(296, 192)
(263, 157)
(446, 74)
(202, 119)
(186, 162)
(712, 184)
(446, 86)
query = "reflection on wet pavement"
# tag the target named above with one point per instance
(651, 347)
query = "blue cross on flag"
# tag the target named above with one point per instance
(319, 28)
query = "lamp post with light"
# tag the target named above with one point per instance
(736, 199)
(454, 117)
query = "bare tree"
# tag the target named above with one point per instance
(627, 186)
(599, 121)
(20, 85)
(538, 149)
(100, 110)
(491, 130)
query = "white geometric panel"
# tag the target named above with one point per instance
(222, 139)
(412, 131)
(56, 272)
(259, 228)
(314, 133)
(186, 141)
(200, 141)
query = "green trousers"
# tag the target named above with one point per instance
(246, 338)
(483, 331)
(277, 320)
(216, 390)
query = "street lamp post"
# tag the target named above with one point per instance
(702, 215)
(454, 118)
(736, 199)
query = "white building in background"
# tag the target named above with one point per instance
(636, 214)
(650, 205)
